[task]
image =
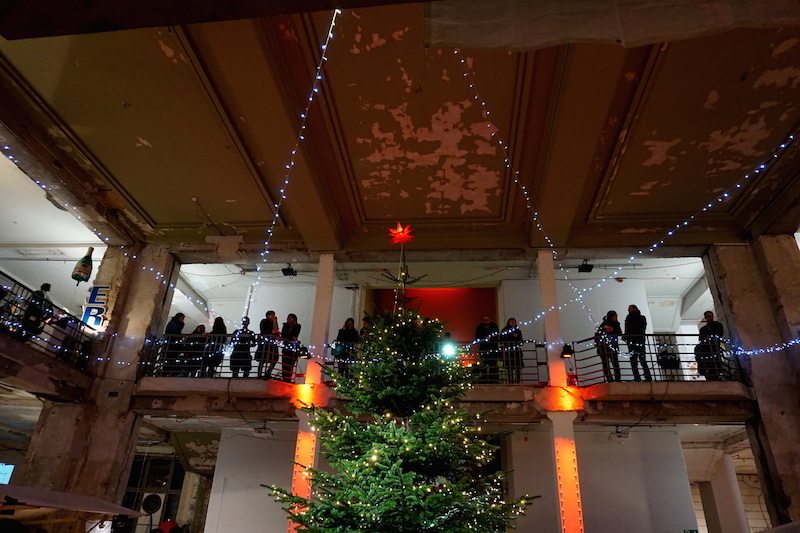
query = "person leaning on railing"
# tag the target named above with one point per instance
(606, 339)
(344, 349)
(289, 334)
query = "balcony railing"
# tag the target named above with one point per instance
(222, 356)
(27, 316)
(268, 357)
(660, 357)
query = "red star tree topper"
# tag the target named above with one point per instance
(401, 234)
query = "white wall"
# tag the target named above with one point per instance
(285, 298)
(639, 485)
(238, 502)
(521, 299)
(532, 471)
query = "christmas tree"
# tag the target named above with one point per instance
(406, 457)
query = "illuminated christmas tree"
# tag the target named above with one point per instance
(406, 457)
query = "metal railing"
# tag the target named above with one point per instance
(222, 356)
(266, 357)
(657, 357)
(26, 315)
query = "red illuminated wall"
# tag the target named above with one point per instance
(459, 309)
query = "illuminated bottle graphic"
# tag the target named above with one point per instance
(83, 268)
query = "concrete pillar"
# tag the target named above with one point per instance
(709, 507)
(246, 461)
(306, 449)
(88, 448)
(756, 289)
(567, 480)
(552, 321)
(727, 498)
(528, 457)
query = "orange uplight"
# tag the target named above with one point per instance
(569, 490)
(401, 234)
(304, 395)
(561, 398)
(304, 452)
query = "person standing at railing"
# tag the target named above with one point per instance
(606, 339)
(172, 353)
(243, 340)
(38, 311)
(194, 351)
(289, 334)
(512, 341)
(708, 351)
(213, 355)
(486, 335)
(635, 327)
(267, 351)
(344, 351)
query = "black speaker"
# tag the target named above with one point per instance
(123, 524)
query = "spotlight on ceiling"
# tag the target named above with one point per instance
(586, 266)
(289, 271)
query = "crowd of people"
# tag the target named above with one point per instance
(274, 349)
(274, 346)
(201, 353)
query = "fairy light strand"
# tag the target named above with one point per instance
(720, 199)
(289, 166)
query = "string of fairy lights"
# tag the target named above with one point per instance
(721, 198)
(471, 81)
(290, 164)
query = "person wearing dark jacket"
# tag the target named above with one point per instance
(175, 346)
(486, 334)
(344, 351)
(289, 334)
(708, 352)
(635, 327)
(213, 355)
(243, 339)
(607, 341)
(267, 351)
(512, 341)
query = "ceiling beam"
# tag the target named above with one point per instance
(195, 298)
(693, 294)
(23, 19)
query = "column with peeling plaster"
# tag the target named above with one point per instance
(313, 389)
(562, 430)
(756, 291)
(88, 448)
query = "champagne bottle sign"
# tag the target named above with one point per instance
(83, 268)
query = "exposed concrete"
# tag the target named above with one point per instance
(728, 498)
(666, 412)
(196, 405)
(669, 390)
(250, 388)
(88, 448)
(748, 284)
(30, 370)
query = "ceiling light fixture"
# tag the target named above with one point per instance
(585, 266)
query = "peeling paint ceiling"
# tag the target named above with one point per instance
(187, 130)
